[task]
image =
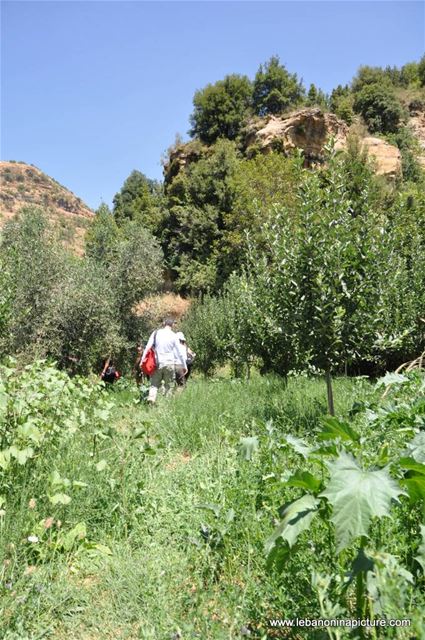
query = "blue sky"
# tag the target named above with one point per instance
(93, 90)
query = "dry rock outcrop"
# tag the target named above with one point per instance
(417, 125)
(387, 157)
(23, 185)
(309, 130)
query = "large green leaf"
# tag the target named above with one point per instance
(298, 445)
(415, 486)
(356, 496)
(392, 378)
(411, 465)
(416, 448)
(4, 459)
(60, 498)
(304, 480)
(336, 429)
(21, 455)
(296, 518)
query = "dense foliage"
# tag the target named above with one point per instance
(232, 506)
(74, 310)
(275, 89)
(338, 285)
(221, 108)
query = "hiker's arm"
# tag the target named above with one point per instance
(108, 360)
(149, 344)
(181, 356)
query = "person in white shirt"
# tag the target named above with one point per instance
(168, 353)
(181, 374)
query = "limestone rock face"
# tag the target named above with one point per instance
(180, 157)
(387, 157)
(417, 124)
(307, 129)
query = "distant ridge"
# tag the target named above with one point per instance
(23, 185)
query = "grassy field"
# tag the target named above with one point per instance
(164, 535)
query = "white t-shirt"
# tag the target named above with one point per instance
(167, 347)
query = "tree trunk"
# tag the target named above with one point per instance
(330, 392)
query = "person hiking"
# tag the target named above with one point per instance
(109, 372)
(168, 352)
(189, 355)
(138, 373)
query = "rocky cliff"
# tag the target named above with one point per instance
(307, 129)
(24, 185)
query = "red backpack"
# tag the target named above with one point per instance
(149, 363)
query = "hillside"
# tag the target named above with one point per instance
(25, 185)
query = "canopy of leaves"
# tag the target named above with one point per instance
(75, 310)
(275, 89)
(379, 106)
(139, 199)
(198, 199)
(220, 109)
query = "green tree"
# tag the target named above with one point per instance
(316, 97)
(410, 74)
(36, 261)
(221, 109)
(379, 107)
(102, 236)
(370, 76)
(275, 89)
(198, 199)
(260, 185)
(81, 325)
(137, 267)
(139, 199)
(341, 103)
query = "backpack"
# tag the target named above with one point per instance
(110, 375)
(149, 363)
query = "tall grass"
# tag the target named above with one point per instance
(175, 521)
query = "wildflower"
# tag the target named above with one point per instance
(2, 513)
(32, 539)
(30, 570)
(48, 522)
(58, 523)
(32, 503)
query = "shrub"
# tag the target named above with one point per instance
(379, 108)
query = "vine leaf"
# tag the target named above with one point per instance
(416, 448)
(296, 518)
(356, 496)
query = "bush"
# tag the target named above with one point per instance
(74, 310)
(379, 108)
(221, 109)
(275, 89)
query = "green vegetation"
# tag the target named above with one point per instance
(74, 310)
(275, 89)
(119, 522)
(220, 109)
(262, 493)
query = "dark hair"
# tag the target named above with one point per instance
(168, 322)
